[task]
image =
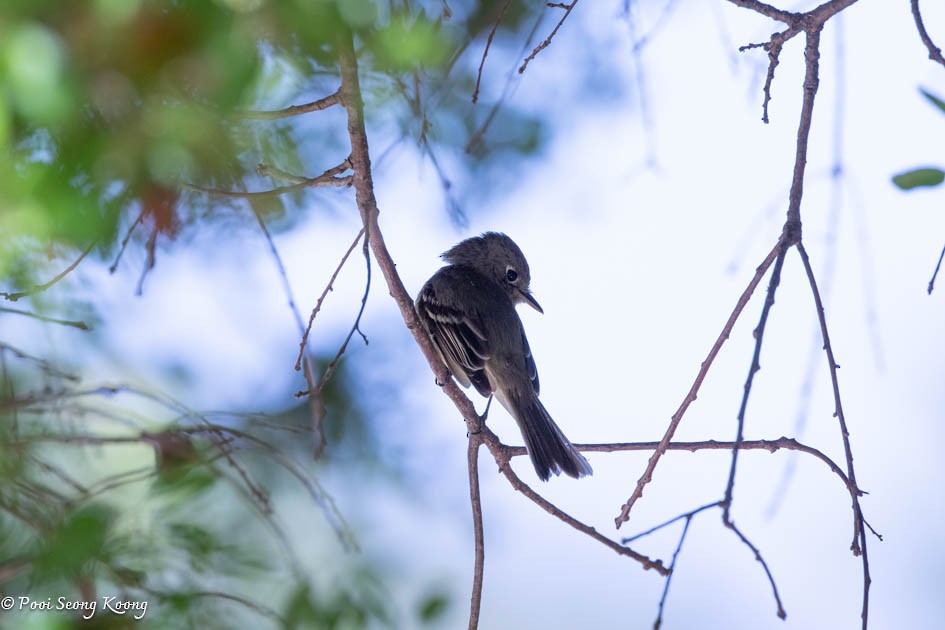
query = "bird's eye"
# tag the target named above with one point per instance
(511, 275)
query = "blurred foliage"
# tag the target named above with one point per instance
(113, 114)
(922, 177)
(107, 107)
(179, 510)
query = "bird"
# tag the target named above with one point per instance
(468, 309)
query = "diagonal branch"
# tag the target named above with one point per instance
(755, 367)
(321, 298)
(367, 206)
(39, 288)
(935, 273)
(647, 475)
(485, 51)
(547, 42)
(363, 183)
(502, 456)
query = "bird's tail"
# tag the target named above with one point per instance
(549, 449)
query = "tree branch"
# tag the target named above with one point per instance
(363, 183)
(294, 110)
(935, 53)
(547, 42)
(52, 320)
(13, 297)
(647, 475)
(485, 50)
(328, 178)
(472, 461)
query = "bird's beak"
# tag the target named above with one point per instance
(531, 301)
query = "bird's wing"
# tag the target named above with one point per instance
(530, 366)
(459, 338)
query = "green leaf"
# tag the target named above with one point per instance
(433, 607)
(919, 177)
(933, 99)
(78, 540)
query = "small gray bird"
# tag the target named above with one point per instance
(468, 309)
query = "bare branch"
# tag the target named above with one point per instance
(771, 446)
(540, 47)
(774, 587)
(773, 46)
(485, 51)
(502, 456)
(858, 546)
(664, 524)
(321, 298)
(124, 241)
(294, 110)
(52, 320)
(647, 475)
(367, 205)
(935, 53)
(755, 366)
(472, 461)
(45, 365)
(356, 327)
(476, 137)
(935, 273)
(266, 170)
(13, 297)
(766, 9)
(688, 516)
(329, 178)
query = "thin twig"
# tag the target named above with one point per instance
(355, 328)
(308, 373)
(329, 178)
(782, 614)
(476, 137)
(753, 369)
(267, 170)
(472, 461)
(52, 320)
(45, 365)
(316, 492)
(321, 298)
(124, 241)
(935, 53)
(935, 273)
(664, 524)
(688, 516)
(13, 297)
(647, 475)
(294, 110)
(739, 438)
(502, 456)
(767, 10)
(771, 446)
(540, 47)
(858, 546)
(485, 51)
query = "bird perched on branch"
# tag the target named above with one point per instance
(468, 309)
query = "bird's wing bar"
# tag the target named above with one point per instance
(458, 337)
(529, 360)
